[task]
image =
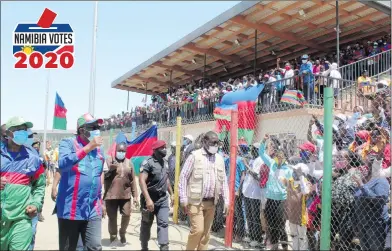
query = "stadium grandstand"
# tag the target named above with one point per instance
(244, 44)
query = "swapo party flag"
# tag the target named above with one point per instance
(60, 114)
(245, 102)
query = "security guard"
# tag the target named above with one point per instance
(154, 182)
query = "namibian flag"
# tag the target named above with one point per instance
(293, 97)
(245, 102)
(60, 114)
(138, 149)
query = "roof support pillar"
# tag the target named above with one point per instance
(205, 68)
(255, 54)
(145, 98)
(337, 33)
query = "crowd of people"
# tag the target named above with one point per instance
(276, 184)
(196, 101)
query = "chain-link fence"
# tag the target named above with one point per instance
(279, 167)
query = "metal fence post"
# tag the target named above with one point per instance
(177, 171)
(325, 243)
(233, 160)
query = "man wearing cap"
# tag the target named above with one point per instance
(79, 200)
(202, 181)
(154, 183)
(23, 193)
(306, 72)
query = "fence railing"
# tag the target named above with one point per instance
(373, 64)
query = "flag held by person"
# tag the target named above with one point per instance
(245, 102)
(60, 114)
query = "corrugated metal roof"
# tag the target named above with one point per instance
(275, 32)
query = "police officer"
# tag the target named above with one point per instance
(154, 182)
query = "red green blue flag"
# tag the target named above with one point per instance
(245, 102)
(60, 114)
(138, 149)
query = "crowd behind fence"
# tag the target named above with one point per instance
(345, 82)
(279, 178)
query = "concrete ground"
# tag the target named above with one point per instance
(47, 233)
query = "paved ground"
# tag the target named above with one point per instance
(47, 233)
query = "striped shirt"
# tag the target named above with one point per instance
(209, 181)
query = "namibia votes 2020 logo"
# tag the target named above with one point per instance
(44, 44)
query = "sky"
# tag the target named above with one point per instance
(128, 34)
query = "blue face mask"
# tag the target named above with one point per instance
(304, 156)
(356, 115)
(29, 141)
(20, 137)
(120, 155)
(95, 133)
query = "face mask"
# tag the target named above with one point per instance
(304, 156)
(120, 155)
(20, 137)
(304, 61)
(212, 149)
(185, 142)
(161, 153)
(29, 141)
(95, 133)
(356, 115)
(375, 47)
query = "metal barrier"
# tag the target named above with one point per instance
(373, 64)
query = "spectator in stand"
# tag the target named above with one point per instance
(306, 71)
(316, 67)
(336, 81)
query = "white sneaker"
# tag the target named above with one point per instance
(114, 244)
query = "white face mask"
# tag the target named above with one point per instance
(212, 149)
(304, 61)
(120, 155)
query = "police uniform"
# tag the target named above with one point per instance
(156, 182)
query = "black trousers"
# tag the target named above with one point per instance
(276, 220)
(252, 207)
(89, 231)
(239, 221)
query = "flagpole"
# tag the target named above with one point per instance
(46, 109)
(91, 105)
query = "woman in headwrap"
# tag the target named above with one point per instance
(361, 137)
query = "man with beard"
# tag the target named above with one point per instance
(154, 183)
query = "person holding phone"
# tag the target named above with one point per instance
(79, 201)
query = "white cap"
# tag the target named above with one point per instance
(303, 167)
(188, 136)
(173, 143)
(256, 145)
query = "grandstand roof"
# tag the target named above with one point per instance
(287, 28)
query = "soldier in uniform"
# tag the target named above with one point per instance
(154, 182)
